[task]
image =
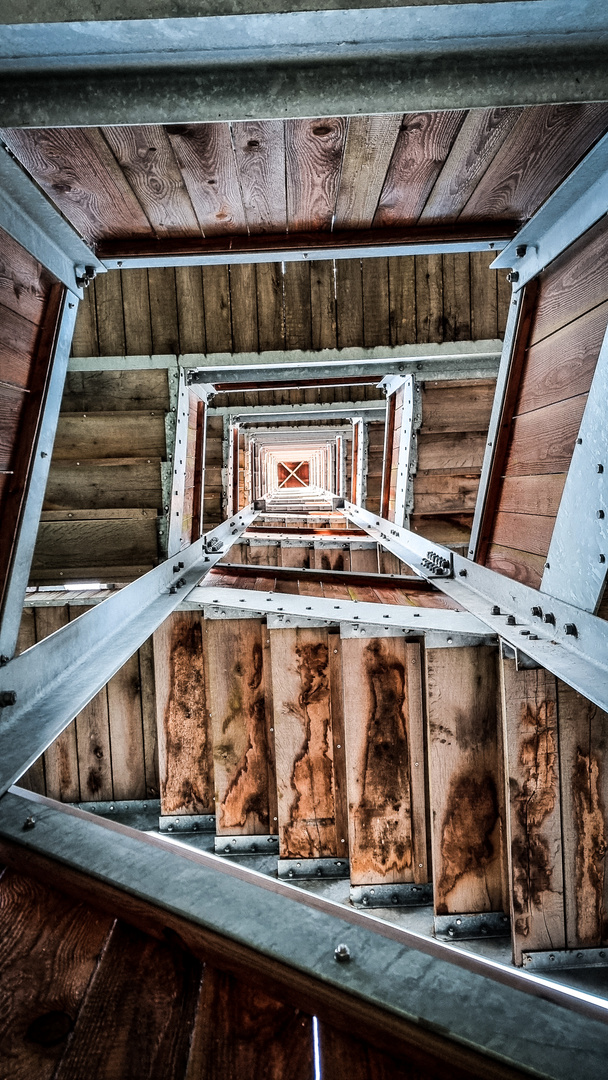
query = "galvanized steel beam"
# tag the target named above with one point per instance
(314, 63)
(44, 688)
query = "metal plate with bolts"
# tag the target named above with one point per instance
(187, 823)
(119, 806)
(565, 959)
(294, 622)
(313, 868)
(406, 894)
(212, 612)
(478, 925)
(246, 845)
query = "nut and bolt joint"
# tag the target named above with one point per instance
(342, 953)
(7, 697)
(549, 617)
(537, 612)
(570, 629)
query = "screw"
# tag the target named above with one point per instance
(537, 612)
(570, 629)
(549, 617)
(462, 573)
(520, 250)
(495, 610)
(29, 823)
(342, 953)
(510, 620)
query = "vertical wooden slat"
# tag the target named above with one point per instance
(185, 749)
(402, 299)
(484, 310)
(429, 298)
(148, 714)
(61, 758)
(136, 307)
(93, 740)
(297, 306)
(456, 297)
(376, 328)
(534, 831)
(163, 309)
(110, 317)
(304, 743)
(466, 812)
(323, 305)
(269, 284)
(383, 743)
(349, 302)
(218, 325)
(242, 756)
(334, 646)
(190, 309)
(126, 732)
(243, 301)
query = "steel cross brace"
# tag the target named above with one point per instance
(43, 689)
(566, 640)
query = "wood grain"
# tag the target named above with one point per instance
(573, 284)
(542, 441)
(61, 758)
(534, 835)
(243, 300)
(451, 451)
(110, 435)
(110, 321)
(206, 159)
(269, 291)
(520, 565)
(457, 408)
(116, 391)
(532, 494)
(190, 308)
(457, 297)
(525, 532)
(304, 743)
(93, 742)
(23, 282)
(370, 141)
(136, 311)
(402, 300)
(313, 153)
(126, 732)
(216, 289)
(562, 366)
(242, 752)
(84, 486)
(184, 736)
(465, 780)
(323, 306)
(423, 144)
(259, 149)
(297, 299)
(349, 302)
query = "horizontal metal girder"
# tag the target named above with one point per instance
(510, 1016)
(314, 63)
(564, 639)
(55, 679)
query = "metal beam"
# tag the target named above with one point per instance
(51, 682)
(34, 222)
(178, 456)
(305, 410)
(329, 63)
(41, 452)
(580, 201)
(512, 1017)
(577, 560)
(564, 639)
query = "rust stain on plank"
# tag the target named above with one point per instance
(187, 783)
(247, 792)
(467, 834)
(590, 817)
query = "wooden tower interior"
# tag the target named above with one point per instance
(303, 466)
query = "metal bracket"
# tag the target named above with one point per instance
(403, 894)
(117, 806)
(246, 845)
(565, 959)
(313, 868)
(187, 823)
(484, 924)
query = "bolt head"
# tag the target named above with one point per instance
(570, 629)
(342, 953)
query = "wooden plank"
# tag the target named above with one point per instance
(364, 560)
(477, 143)
(343, 1055)
(33, 779)
(336, 690)
(534, 832)
(116, 391)
(218, 326)
(163, 309)
(423, 144)
(448, 529)
(448, 452)
(269, 288)
(112, 486)
(543, 441)
(323, 306)
(295, 556)
(190, 309)
(79, 173)
(184, 736)
(143, 997)
(583, 760)
(467, 812)
(313, 158)
(545, 144)
(376, 323)
(61, 758)
(126, 732)
(304, 743)
(93, 742)
(243, 301)
(259, 149)
(136, 310)
(520, 565)
(145, 156)
(370, 141)
(23, 282)
(206, 159)
(444, 494)
(298, 319)
(337, 558)
(429, 298)
(242, 749)
(349, 302)
(526, 532)
(573, 284)
(107, 435)
(484, 298)
(50, 949)
(240, 1031)
(384, 745)
(456, 297)
(85, 341)
(110, 321)
(457, 408)
(148, 715)
(562, 365)
(18, 337)
(532, 494)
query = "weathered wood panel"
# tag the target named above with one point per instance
(184, 736)
(465, 780)
(126, 732)
(583, 758)
(93, 747)
(110, 435)
(534, 832)
(61, 758)
(304, 743)
(243, 748)
(385, 759)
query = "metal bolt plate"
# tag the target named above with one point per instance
(246, 845)
(187, 823)
(384, 896)
(477, 925)
(119, 806)
(289, 869)
(563, 959)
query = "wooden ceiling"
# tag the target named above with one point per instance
(436, 170)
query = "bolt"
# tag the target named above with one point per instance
(510, 620)
(29, 823)
(570, 629)
(462, 573)
(520, 250)
(7, 697)
(4, 660)
(537, 612)
(549, 617)
(513, 276)
(599, 468)
(600, 514)
(342, 953)
(602, 558)
(495, 610)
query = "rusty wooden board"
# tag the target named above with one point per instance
(304, 743)
(534, 831)
(384, 760)
(465, 780)
(184, 736)
(243, 751)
